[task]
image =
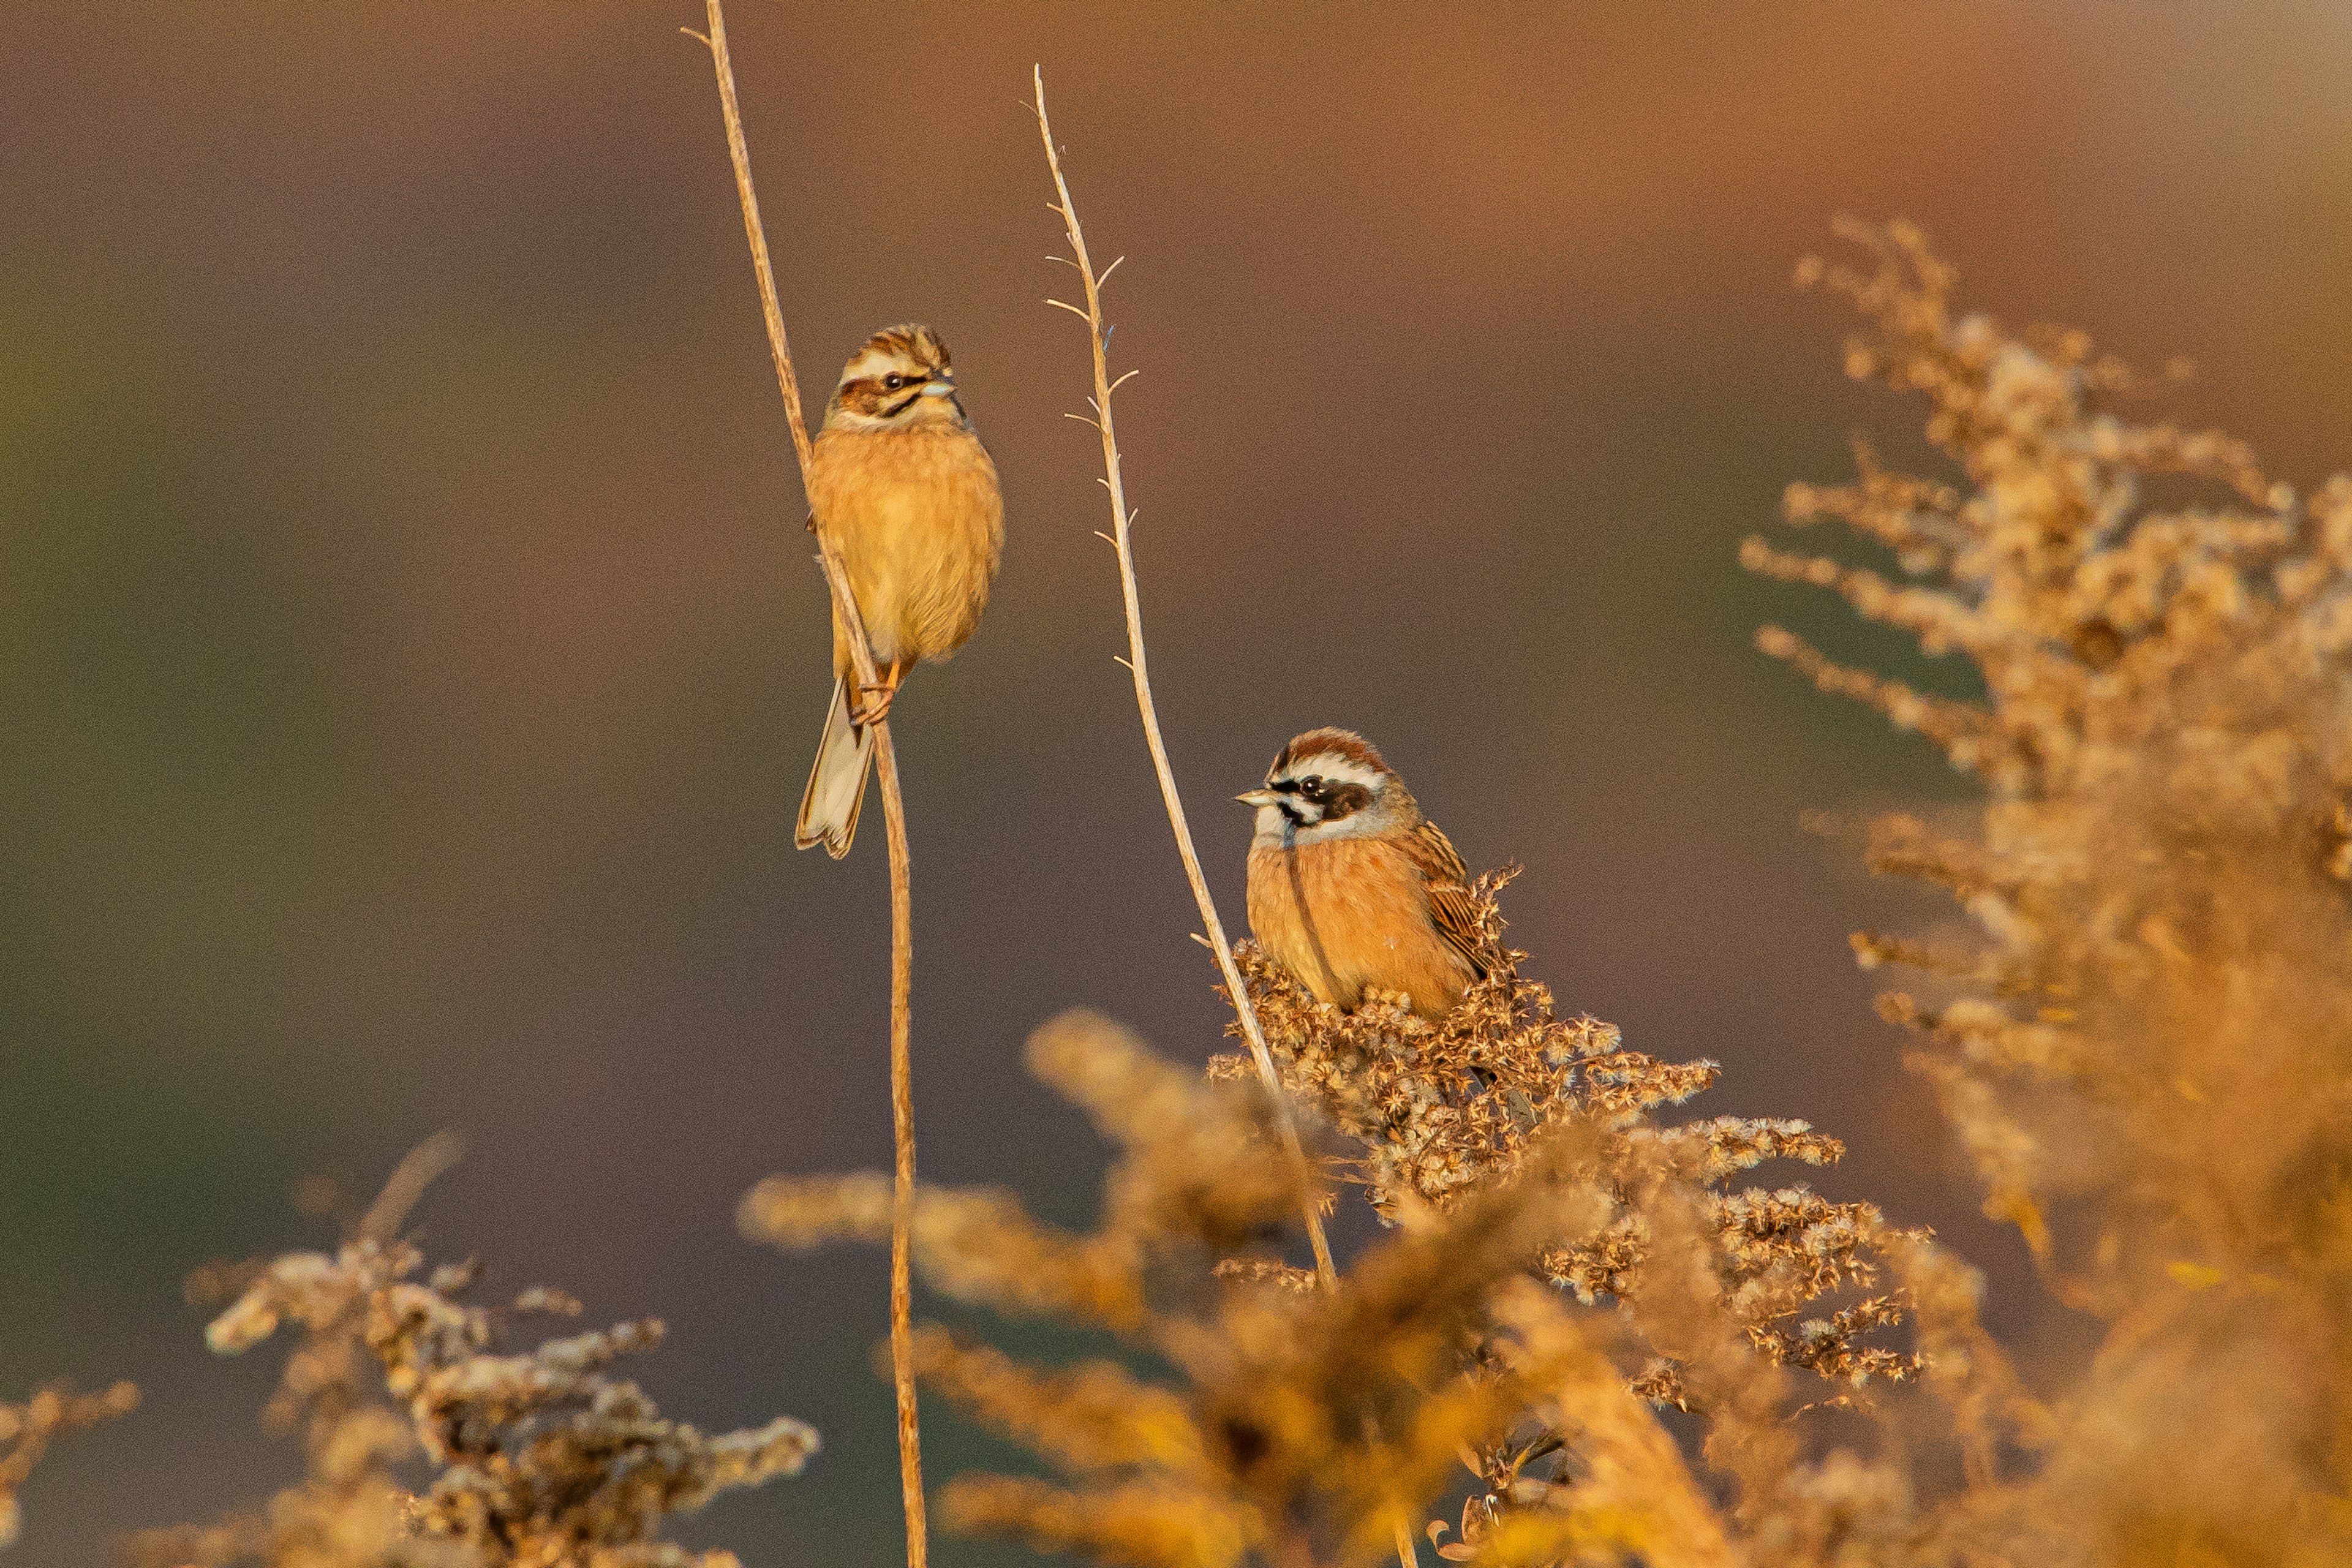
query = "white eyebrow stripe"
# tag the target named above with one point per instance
(1330, 765)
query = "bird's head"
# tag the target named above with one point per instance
(1329, 784)
(900, 381)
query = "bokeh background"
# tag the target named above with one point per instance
(410, 659)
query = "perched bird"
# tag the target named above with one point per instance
(900, 485)
(1351, 886)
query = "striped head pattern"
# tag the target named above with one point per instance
(900, 379)
(1329, 784)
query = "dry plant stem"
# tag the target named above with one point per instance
(1120, 518)
(1139, 668)
(894, 813)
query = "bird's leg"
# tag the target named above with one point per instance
(873, 702)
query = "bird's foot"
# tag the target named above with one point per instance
(873, 704)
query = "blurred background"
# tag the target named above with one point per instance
(411, 659)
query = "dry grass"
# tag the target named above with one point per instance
(1138, 661)
(2143, 1042)
(894, 817)
(1582, 1336)
(27, 1431)
(538, 1457)
(2146, 1042)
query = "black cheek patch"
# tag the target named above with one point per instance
(1344, 800)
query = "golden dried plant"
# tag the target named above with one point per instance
(1578, 1337)
(540, 1458)
(1440, 1109)
(1303, 1422)
(2143, 1043)
(27, 1431)
(851, 623)
(2143, 1036)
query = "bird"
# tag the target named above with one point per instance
(899, 483)
(1351, 887)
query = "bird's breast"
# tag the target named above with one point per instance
(920, 525)
(1347, 914)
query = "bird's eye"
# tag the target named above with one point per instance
(1311, 784)
(892, 382)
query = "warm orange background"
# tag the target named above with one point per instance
(410, 660)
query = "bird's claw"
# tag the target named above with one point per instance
(873, 704)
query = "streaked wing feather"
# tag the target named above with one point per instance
(1450, 904)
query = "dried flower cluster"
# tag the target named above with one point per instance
(540, 1458)
(27, 1431)
(2144, 1040)
(1305, 1424)
(1276, 1436)
(1440, 1109)
(1578, 1339)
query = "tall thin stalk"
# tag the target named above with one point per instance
(1120, 517)
(894, 813)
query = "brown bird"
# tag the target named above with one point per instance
(1351, 886)
(901, 486)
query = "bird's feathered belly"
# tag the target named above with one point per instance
(920, 526)
(1353, 913)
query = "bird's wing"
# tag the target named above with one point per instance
(1450, 904)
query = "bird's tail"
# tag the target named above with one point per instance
(837, 786)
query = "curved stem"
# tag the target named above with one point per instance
(1098, 343)
(1120, 517)
(894, 813)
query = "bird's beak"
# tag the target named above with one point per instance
(939, 386)
(1257, 797)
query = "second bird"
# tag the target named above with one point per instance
(899, 483)
(1351, 886)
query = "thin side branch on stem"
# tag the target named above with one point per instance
(894, 813)
(1098, 346)
(1097, 336)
